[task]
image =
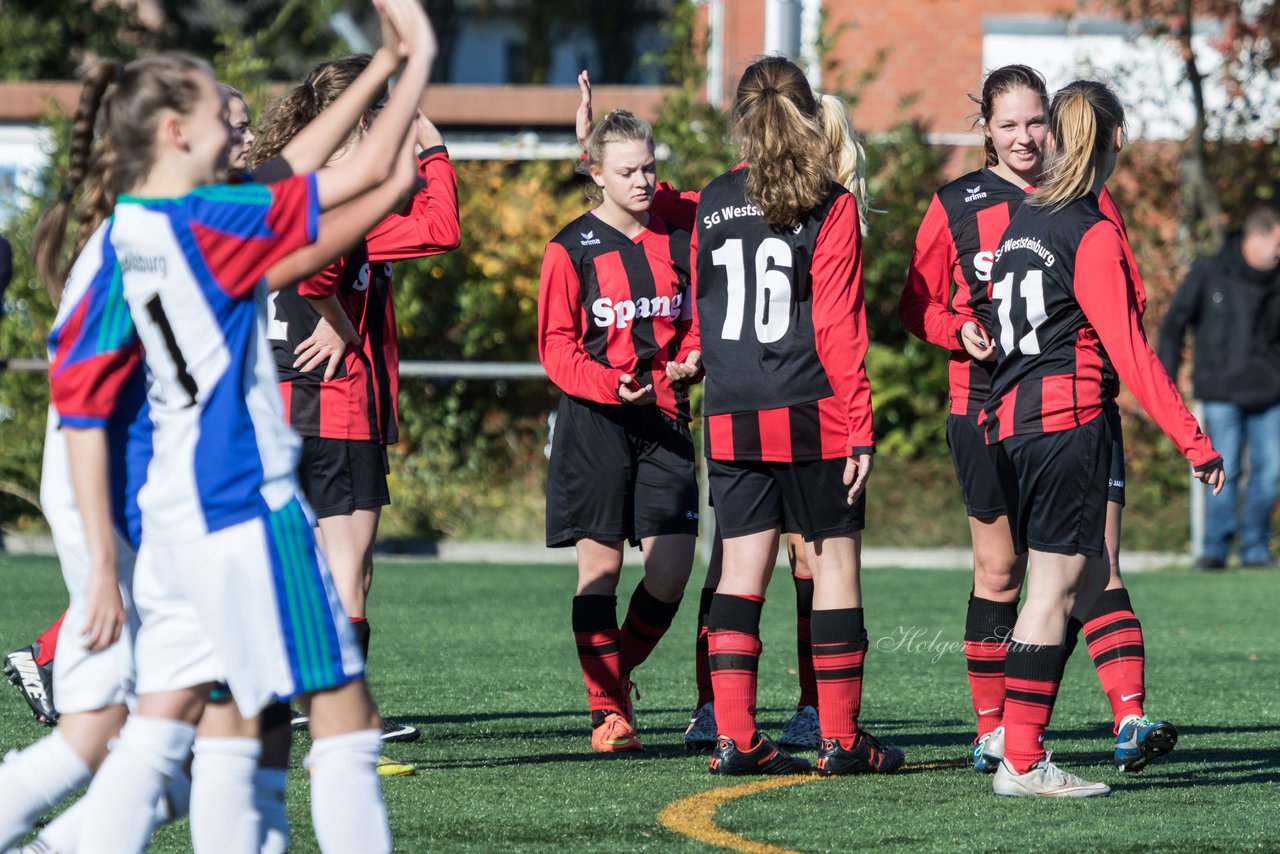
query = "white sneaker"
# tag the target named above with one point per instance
(803, 730)
(988, 751)
(701, 734)
(1045, 779)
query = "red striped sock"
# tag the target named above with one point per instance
(47, 643)
(839, 648)
(804, 641)
(701, 665)
(1114, 636)
(1031, 678)
(595, 631)
(648, 619)
(733, 639)
(986, 631)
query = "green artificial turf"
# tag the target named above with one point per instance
(481, 657)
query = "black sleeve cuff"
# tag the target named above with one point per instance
(868, 449)
(433, 150)
(1209, 466)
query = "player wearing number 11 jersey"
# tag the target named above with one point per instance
(947, 293)
(781, 327)
(1066, 316)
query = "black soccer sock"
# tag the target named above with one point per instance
(360, 625)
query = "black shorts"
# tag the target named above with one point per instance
(339, 476)
(1115, 480)
(979, 483)
(983, 498)
(806, 498)
(619, 473)
(1055, 485)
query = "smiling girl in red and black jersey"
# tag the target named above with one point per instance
(612, 311)
(781, 331)
(1066, 321)
(334, 340)
(946, 302)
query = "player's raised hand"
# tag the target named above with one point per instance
(582, 121)
(977, 343)
(856, 471)
(428, 136)
(418, 39)
(686, 370)
(391, 41)
(1215, 477)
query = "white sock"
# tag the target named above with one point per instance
(119, 808)
(59, 836)
(33, 780)
(223, 815)
(268, 795)
(346, 795)
(175, 803)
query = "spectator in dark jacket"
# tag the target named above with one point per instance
(1232, 299)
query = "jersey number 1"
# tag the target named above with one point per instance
(773, 288)
(1032, 290)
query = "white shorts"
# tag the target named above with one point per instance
(262, 595)
(86, 681)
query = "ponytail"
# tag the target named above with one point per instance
(301, 104)
(849, 159)
(1083, 119)
(780, 136)
(51, 230)
(124, 104)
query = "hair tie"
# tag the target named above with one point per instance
(66, 194)
(768, 90)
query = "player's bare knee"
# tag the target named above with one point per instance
(341, 710)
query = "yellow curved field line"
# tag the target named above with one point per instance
(695, 816)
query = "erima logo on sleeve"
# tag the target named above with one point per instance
(974, 193)
(589, 238)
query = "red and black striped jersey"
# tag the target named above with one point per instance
(609, 304)
(947, 281)
(360, 401)
(1065, 310)
(951, 271)
(781, 325)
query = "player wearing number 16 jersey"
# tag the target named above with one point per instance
(1065, 317)
(781, 327)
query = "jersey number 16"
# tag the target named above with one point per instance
(773, 288)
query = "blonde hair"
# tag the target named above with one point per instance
(297, 107)
(1083, 120)
(126, 100)
(617, 126)
(780, 136)
(849, 159)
